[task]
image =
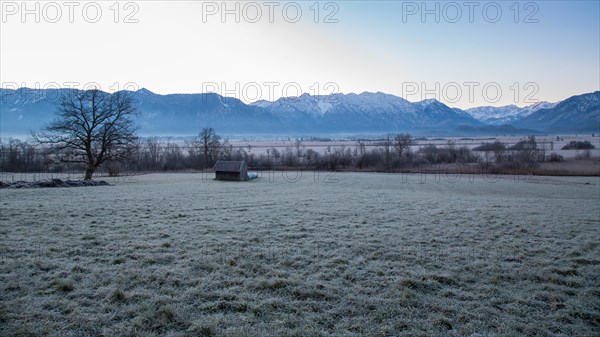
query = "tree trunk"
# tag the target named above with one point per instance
(88, 173)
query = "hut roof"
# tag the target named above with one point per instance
(228, 166)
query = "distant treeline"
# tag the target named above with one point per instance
(392, 154)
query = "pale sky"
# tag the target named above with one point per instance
(486, 53)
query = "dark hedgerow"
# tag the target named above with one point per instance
(579, 145)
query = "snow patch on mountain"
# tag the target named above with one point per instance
(506, 114)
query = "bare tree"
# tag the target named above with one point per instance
(298, 145)
(210, 143)
(402, 142)
(93, 127)
(153, 155)
(174, 158)
(388, 143)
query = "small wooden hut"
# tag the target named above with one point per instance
(231, 170)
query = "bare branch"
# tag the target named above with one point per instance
(93, 125)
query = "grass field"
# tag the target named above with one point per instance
(354, 254)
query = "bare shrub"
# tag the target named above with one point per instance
(555, 157)
(579, 145)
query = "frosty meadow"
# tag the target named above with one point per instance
(366, 254)
(299, 168)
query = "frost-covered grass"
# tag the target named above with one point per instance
(361, 255)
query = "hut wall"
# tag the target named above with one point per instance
(231, 176)
(231, 170)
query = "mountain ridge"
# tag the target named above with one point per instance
(26, 109)
(506, 114)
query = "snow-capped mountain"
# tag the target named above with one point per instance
(576, 114)
(365, 112)
(320, 105)
(25, 110)
(506, 114)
